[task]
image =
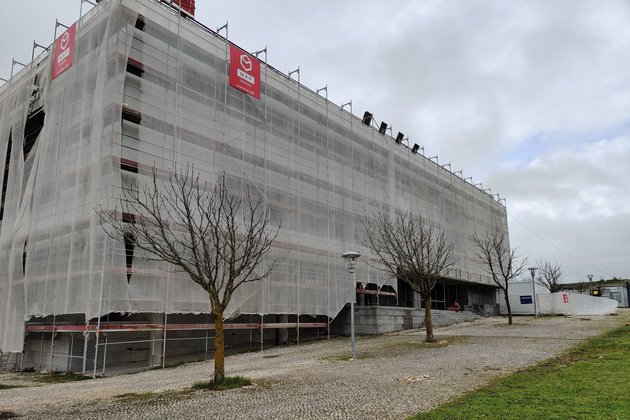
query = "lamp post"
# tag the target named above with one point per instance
(590, 284)
(532, 270)
(351, 258)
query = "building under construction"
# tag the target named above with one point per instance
(140, 84)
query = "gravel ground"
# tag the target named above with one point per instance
(395, 376)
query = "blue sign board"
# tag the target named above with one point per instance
(526, 299)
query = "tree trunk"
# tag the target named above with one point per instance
(428, 321)
(219, 346)
(509, 308)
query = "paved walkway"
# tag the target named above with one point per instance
(396, 376)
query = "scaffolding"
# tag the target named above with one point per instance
(90, 331)
(151, 91)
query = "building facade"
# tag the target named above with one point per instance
(149, 87)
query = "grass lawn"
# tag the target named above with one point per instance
(589, 381)
(3, 386)
(230, 382)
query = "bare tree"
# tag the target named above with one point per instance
(407, 247)
(549, 275)
(218, 238)
(492, 250)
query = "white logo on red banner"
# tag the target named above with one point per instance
(244, 72)
(246, 62)
(64, 51)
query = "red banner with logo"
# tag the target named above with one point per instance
(244, 72)
(63, 56)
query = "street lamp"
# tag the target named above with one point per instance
(351, 258)
(590, 284)
(532, 270)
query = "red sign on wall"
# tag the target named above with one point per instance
(64, 51)
(244, 72)
(565, 297)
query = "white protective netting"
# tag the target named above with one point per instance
(315, 165)
(566, 303)
(52, 257)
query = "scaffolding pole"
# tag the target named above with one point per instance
(86, 337)
(52, 344)
(262, 332)
(104, 353)
(100, 309)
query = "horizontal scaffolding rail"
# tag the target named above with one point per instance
(127, 327)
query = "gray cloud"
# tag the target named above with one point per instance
(531, 97)
(576, 197)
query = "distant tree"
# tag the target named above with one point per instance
(582, 287)
(549, 275)
(492, 250)
(218, 238)
(407, 247)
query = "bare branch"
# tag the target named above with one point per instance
(492, 251)
(549, 275)
(220, 239)
(407, 247)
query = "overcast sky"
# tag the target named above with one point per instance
(532, 98)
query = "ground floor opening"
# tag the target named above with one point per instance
(118, 342)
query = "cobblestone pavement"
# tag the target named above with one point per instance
(395, 376)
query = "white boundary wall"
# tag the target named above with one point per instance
(564, 303)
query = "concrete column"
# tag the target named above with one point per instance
(156, 346)
(360, 299)
(283, 333)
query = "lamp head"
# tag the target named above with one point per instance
(351, 256)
